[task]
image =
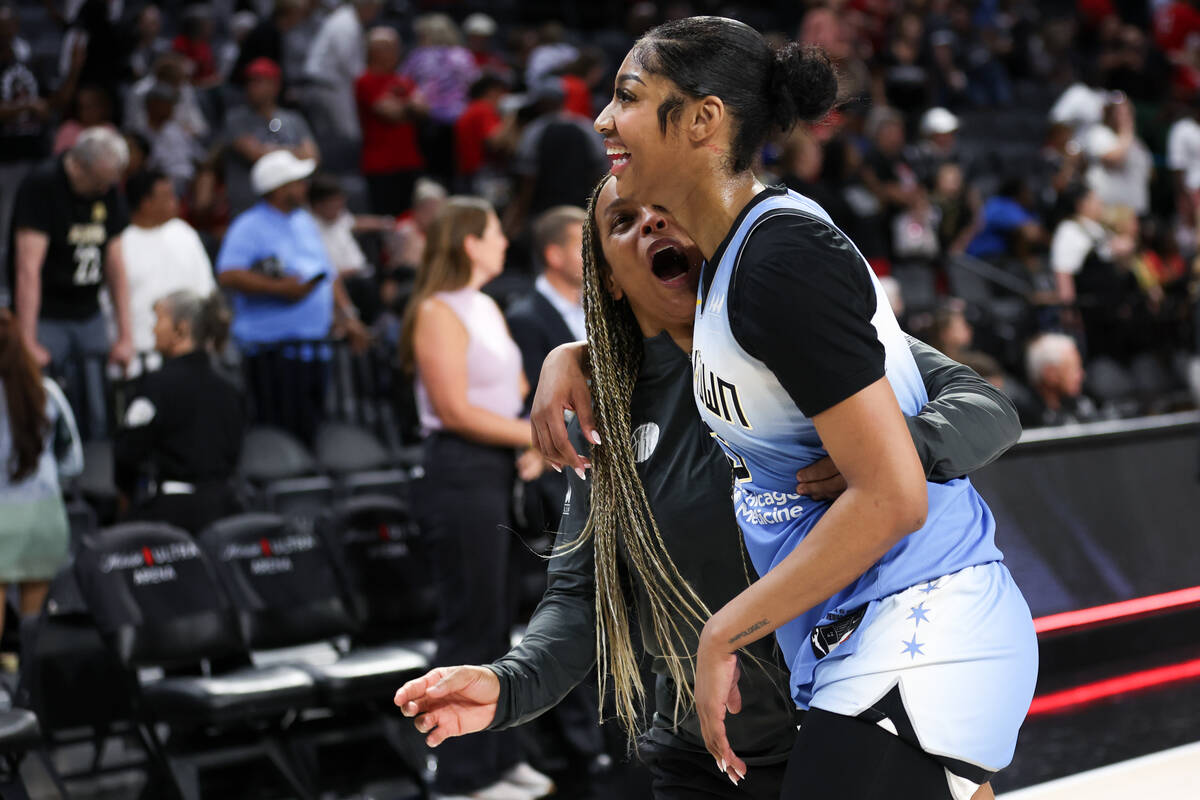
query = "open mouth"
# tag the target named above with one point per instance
(670, 263)
(618, 157)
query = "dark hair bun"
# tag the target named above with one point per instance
(804, 84)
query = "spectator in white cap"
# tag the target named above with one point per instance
(938, 144)
(284, 289)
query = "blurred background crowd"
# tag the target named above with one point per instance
(1011, 168)
(277, 180)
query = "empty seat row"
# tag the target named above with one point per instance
(278, 473)
(233, 637)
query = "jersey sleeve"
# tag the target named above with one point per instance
(558, 649)
(967, 423)
(801, 302)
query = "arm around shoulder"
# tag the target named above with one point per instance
(966, 424)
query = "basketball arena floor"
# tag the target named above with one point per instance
(1142, 744)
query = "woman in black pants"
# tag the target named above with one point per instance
(470, 391)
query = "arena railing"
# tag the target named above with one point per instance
(365, 388)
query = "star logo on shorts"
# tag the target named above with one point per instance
(919, 614)
(929, 587)
(913, 647)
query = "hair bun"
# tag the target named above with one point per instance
(804, 84)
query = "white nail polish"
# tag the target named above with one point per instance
(582, 475)
(596, 437)
(732, 779)
(741, 775)
(556, 468)
(721, 764)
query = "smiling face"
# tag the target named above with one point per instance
(644, 159)
(652, 263)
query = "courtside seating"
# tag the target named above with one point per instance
(283, 475)
(293, 608)
(288, 593)
(156, 600)
(18, 735)
(72, 681)
(358, 462)
(388, 566)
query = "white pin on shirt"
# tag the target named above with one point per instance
(140, 413)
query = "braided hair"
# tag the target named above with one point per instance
(620, 509)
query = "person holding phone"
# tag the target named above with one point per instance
(284, 291)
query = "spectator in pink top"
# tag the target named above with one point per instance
(470, 390)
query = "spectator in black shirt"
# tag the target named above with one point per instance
(65, 242)
(25, 113)
(266, 39)
(179, 442)
(1055, 371)
(558, 159)
(551, 314)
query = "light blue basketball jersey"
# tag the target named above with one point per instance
(768, 438)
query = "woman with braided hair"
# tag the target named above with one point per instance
(905, 636)
(659, 532)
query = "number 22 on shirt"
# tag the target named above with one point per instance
(87, 265)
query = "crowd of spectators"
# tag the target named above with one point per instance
(1038, 161)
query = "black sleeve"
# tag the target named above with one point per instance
(967, 423)
(528, 336)
(118, 215)
(133, 443)
(802, 302)
(559, 646)
(32, 208)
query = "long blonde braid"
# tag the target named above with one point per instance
(620, 512)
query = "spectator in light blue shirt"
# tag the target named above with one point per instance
(285, 290)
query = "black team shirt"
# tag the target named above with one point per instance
(688, 482)
(79, 230)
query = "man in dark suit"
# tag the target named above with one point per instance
(552, 313)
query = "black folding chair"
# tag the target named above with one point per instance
(158, 603)
(358, 461)
(283, 474)
(293, 608)
(18, 735)
(388, 568)
(74, 684)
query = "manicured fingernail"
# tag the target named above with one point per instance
(596, 437)
(721, 764)
(557, 468)
(717, 764)
(582, 476)
(741, 775)
(732, 780)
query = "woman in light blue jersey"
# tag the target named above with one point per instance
(904, 633)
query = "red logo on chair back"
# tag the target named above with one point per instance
(265, 544)
(384, 533)
(148, 557)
